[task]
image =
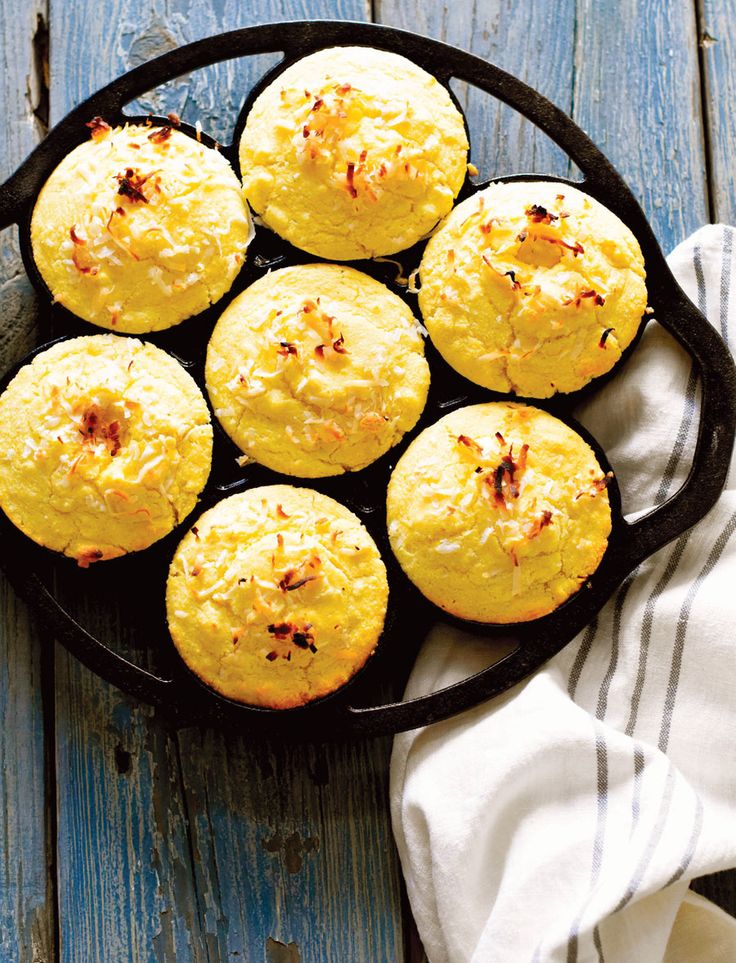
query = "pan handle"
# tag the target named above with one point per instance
(97, 657)
(16, 194)
(436, 706)
(715, 431)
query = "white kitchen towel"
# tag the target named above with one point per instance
(563, 820)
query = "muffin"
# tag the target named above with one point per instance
(105, 444)
(139, 228)
(352, 153)
(317, 370)
(532, 288)
(276, 597)
(498, 512)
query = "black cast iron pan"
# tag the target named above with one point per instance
(59, 591)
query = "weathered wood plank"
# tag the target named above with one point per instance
(637, 93)
(517, 38)
(293, 849)
(26, 886)
(717, 38)
(124, 862)
(259, 880)
(147, 29)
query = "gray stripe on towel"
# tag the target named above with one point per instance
(726, 249)
(647, 626)
(651, 844)
(577, 666)
(675, 668)
(601, 759)
(691, 844)
(682, 624)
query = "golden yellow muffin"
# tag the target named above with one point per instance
(316, 370)
(532, 288)
(498, 512)
(352, 153)
(139, 228)
(276, 596)
(105, 444)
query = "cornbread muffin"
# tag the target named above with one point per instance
(105, 444)
(352, 153)
(498, 512)
(139, 228)
(276, 596)
(316, 370)
(532, 288)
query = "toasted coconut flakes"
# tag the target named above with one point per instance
(87, 558)
(470, 443)
(349, 177)
(540, 215)
(99, 128)
(286, 348)
(413, 287)
(131, 185)
(400, 278)
(576, 248)
(540, 523)
(160, 135)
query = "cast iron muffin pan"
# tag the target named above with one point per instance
(135, 584)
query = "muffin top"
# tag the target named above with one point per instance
(276, 596)
(533, 288)
(316, 370)
(352, 153)
(498, 512)
(105, 444)
(139, 228)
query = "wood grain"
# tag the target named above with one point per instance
(26, 846)
(519, 39)
(124, 861)
(205, 847)
(717, 40)
(637, 93)
(292, 846)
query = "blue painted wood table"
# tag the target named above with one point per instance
(123, 839)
